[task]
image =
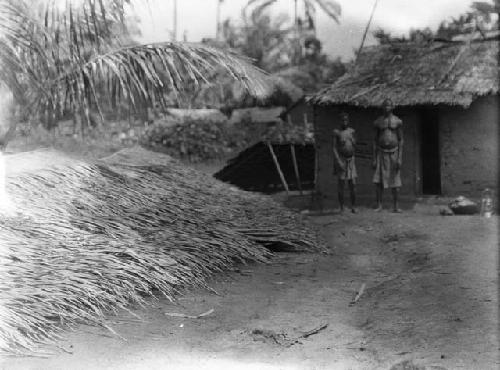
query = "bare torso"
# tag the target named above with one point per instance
(345, 142)
(387, 131)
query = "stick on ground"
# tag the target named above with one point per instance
(174, 314)
(314, 331)
(358, 294)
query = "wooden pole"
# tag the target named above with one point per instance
(297, 44)
(278, 168)
(296, 168)
(366, 31)
(296, 17)
(174, 32)
(218, 20)
(316, 194)
(316, 167)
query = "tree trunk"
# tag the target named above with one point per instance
(295, 17)
(218, 31)
(6, 136)
(297, 45)
(174, 32)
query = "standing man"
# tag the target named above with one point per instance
(388, 154)
(344, 143)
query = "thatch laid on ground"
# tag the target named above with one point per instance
(92, 238)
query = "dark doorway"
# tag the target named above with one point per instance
(429, 152)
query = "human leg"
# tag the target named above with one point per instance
(395, 196)
(352, 192)
(378, 180)
(379, 189)
(341, 193)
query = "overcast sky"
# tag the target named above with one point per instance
(198, 19)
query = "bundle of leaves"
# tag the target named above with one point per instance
(88, 239)
(197, 140)
(289, 132)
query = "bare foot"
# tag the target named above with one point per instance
(378, 209)
(397, 210)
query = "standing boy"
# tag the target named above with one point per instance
(344, 143)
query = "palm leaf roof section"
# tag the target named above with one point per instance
(451, 73)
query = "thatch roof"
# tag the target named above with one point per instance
(180, 116)
(257, 115)
(227, 94)
(413, 74)
(88, 238)
(254, 169)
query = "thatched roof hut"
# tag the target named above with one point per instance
(446, 93)
(227, 95)
(451, 73)
(282, 160)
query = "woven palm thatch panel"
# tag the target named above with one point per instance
(413, 74)
(86, 239)
(253, 169)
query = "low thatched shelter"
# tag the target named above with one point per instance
(256, 168)
(446, 93)
(283, 159)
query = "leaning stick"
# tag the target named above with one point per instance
(296, 168)
(278, 167)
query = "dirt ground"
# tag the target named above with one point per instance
(431, 296)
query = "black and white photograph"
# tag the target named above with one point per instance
(249, 184)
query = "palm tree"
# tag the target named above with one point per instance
(59, 57)
(174, 32)
(218, 20)
(329, 7)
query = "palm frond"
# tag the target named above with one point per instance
(71, 58)
(148, 72)
(330, 7)
(260, 9)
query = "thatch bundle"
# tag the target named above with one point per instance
(92, 238)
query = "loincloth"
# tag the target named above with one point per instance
(386, 172)
(349, 173)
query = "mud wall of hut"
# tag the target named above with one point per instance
(469, 147)
(327, 118)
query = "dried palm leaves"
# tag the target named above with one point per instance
(93, 238)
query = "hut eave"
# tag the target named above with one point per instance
(417, 74)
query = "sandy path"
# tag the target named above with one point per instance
(431, 296)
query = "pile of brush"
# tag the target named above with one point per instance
(88, 239)
(195, 141)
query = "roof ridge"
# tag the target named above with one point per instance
(431, 73)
